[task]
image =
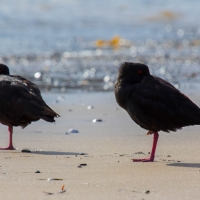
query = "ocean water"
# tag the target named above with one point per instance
(65, 45)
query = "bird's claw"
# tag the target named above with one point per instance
(7, 148)
(149, 133)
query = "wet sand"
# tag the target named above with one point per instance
(105, 148)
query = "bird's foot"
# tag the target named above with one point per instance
(143, 160)
(7, 148)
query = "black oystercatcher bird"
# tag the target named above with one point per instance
(153, 103)
(20, 103)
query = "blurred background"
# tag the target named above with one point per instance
(75, 45)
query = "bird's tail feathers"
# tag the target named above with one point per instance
(48, 118)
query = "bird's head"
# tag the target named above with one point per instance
(132, 72)
(4, 69)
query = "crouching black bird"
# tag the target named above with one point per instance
(153, 103)
(20, 103)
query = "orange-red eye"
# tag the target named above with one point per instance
(139, 72)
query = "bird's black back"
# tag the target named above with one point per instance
(21, 102)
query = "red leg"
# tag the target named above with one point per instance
(151, 158)
(10, 145)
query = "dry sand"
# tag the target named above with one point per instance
(107, 149)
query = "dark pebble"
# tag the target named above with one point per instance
(81, 165)
(146, 191)
(37, 172)
(140, 152)
(26, 151)
(54, 179)
(82, 154)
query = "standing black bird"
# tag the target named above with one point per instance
(20, 103)
(153, 103)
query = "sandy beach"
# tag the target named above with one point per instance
(69, 47)
(96, 162)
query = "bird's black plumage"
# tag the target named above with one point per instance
(152, 102)
(20, 101)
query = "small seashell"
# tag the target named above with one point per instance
(71, 131)
(54, 179)
(90, 107)
(97, 120)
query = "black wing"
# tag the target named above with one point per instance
(32, 88)
(157, 105)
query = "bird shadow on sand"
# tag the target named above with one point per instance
(58, 153)
(191, 165)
